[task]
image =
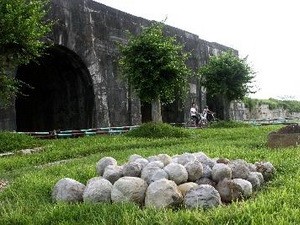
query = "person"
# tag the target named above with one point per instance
(194, 113)
(205, 113)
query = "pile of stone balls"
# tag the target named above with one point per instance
(191, 180)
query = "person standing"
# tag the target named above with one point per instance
(205, 112)
(194, 113)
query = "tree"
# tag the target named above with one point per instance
(226, 78)
(154, 66)
(22, 27)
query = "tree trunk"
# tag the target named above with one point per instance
(156, 111)
(226, 106)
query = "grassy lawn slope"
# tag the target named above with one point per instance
(27, 198)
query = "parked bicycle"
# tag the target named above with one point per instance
(203, 120)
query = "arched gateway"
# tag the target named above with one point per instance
(57, 93)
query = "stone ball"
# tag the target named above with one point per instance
(203, 196)
(207, 171)
(205, 180)
(239, 168)
(68, 190)
(177, 173)
(266, 169)
(134, 157)
(163, 193)
(149, 171)
(185, 187)
(129, 189)
(97, 189)
(194, 169)
(221, 171)
(132, 169)
(185, 158)
(103, 163)
(144, 162)
(254, 179)
(113, 173)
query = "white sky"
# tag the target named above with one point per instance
(264, 30)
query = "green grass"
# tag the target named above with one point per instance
(158, 130)
(28, 198)
(11, 142)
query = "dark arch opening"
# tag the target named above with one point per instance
(58, 94)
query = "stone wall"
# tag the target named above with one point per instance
(238, 111)
(92, 31)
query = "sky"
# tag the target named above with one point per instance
(266, 31)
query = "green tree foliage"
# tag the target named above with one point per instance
(154, 66)
(226, 77)
(22, 28)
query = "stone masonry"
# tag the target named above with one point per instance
(76, 84)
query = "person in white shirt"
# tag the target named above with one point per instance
(205, 112)
(194, 113)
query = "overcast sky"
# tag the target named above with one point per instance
(264, 30)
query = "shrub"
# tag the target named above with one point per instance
(14, 141)
(228, 124)
(158, 130)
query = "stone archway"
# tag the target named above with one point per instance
(58, 93)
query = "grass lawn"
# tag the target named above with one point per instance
(27, 198)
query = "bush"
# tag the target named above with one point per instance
(158, 130)
(228, 124)
(14, 141)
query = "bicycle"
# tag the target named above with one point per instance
(205, 121)
(192, 122)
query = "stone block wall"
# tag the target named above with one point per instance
(93, 31)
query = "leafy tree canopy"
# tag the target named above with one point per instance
(154, 65)
(227, 75)
(22, 27)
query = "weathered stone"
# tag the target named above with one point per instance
(223, 160)
(113, 173)
(148, 172)
(185, 158)
(97, 189)
(203, 196)
(259, 176)
(132, 169)
(177, 173)
(163, 193)
(153, 158)
(134, 157)
(205, 180)
(194, 169)
(254, 179)
(267, 169)
(235, 189)
(156, 163)
(251, 167)
(129, 189)
(239, 168)
(159, 174)
(103, 163)
(184, 188)
(166, 159)
(68, 190)
(245, 185)
(204, 159)
(221, 171)
(206, 171)
(142, 161)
